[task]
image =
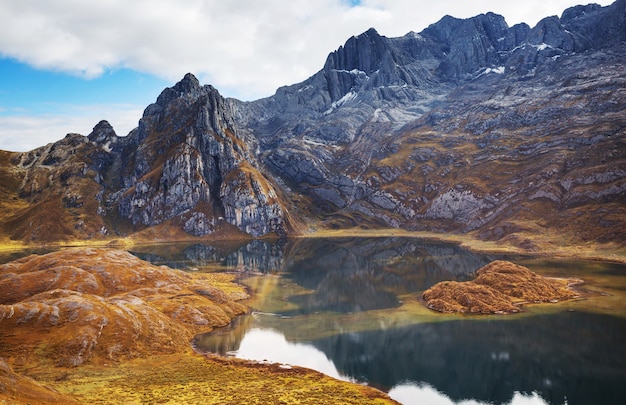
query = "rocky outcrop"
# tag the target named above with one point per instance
(499, 288)
(88, 305)
(191, 162)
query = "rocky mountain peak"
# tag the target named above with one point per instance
(364, 53)
(450, 29)
(467, 45)
(102, 133)
(191, 164)
(188, 87)
(594, 27)
(579, 11)
(188, 84)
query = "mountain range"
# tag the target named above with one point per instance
(470, 127)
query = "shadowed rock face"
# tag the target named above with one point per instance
(467, 126)
(500, 287)
(88, 305)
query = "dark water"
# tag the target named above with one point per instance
(572, 357)
(569, 357)
(334, 308)
(348, 308)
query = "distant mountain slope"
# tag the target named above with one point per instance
(469, 126)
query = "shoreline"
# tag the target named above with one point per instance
(96, 382)
(467, 241)
(168, 311)
(593, 252)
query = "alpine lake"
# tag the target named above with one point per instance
(350, 308)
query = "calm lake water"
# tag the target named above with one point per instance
(350, 308)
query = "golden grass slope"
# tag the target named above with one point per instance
(500, 287)
(97, 325)
(84, 305)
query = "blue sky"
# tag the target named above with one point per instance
(28, 88)
(66, 64)
(38, 106)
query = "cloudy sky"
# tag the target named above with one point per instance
(66, 64)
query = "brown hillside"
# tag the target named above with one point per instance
(90, 305)
(101, 326)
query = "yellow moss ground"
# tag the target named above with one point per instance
(193, 379)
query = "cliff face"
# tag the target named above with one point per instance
(467, 126)
(187, 160)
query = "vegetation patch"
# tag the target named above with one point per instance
(191, 378)
(499, 288)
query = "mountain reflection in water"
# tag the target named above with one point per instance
(334, 309)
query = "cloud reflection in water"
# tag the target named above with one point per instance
(422, 393)
(269, 345)
(266, 344)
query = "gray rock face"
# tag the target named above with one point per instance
(190, 162)
(323, 134)
(447, 129)
(467, 46)
(458, 205)
(103, 134)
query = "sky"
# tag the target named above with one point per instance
(67, 64)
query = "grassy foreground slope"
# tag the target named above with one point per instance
(101, 326)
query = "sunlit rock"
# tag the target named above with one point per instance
(83, 305)
(500, 287)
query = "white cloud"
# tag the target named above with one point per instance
(246, 48)
(22, 132)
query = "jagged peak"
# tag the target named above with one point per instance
(103, 125)
(579, 11)
(363, 52)
(594, 26)
(446, 30)
(370, 33)
(102, 132)
(188, 84)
